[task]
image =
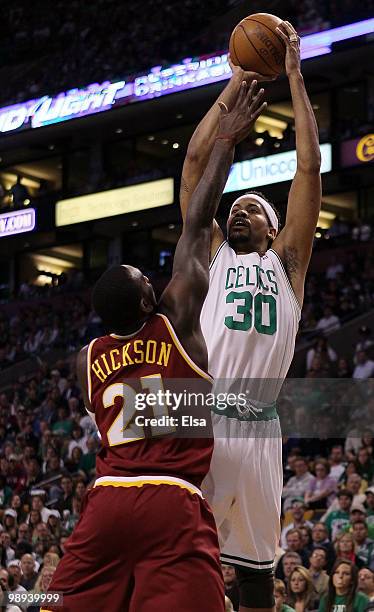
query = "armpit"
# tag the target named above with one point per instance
(291, 262)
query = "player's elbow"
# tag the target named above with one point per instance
(310, 164)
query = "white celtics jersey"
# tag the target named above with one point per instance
(250, 319)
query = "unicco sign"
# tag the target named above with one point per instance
(17, 222)
(271, 169)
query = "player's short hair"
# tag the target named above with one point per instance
(116, 298)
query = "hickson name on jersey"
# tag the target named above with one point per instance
(249, 320)
(151, 360)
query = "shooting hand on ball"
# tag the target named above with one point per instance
(247, 75)
(292, 42)
(236, 124)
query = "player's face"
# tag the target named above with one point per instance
(247, 221)
(145, 286)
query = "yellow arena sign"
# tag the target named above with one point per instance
(365, 148)
(115, 202)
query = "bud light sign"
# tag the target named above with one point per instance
(17, 222)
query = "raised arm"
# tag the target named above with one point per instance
(202, 142)
(295, 241)
(183, 298)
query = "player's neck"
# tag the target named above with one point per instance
(246, 247)
(131, 328)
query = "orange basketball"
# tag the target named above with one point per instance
(255, 44)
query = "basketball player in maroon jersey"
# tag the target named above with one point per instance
(146, 540)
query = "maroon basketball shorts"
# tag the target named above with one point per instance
(141, 545)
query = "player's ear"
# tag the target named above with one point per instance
(146, 306)
(272, 233)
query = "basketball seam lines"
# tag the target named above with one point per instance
(259, 55)
(270, 30)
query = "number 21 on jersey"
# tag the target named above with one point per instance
(116, 432)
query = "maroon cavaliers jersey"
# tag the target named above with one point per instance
(119, 368)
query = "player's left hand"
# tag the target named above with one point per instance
(247, 75)
(292, 42)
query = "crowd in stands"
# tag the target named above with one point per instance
(74, 37)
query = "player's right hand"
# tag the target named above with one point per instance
(247, 75)
(237, 123)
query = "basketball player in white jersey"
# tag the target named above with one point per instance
(250, 320)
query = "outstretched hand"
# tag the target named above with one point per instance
(292, 42)
(247, 75)
(236, 124)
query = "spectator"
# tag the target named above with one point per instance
(357, 514)
(344, 370)
(346, 550)
(321, 490)
(14, 570)
(88, 461)
(5, 492)
(29, 574)
(298, 484)
(364, 464)
(369, 505)
(337, 464)
(306, 537)
(79, 440)
(297, 510)
(65, 501)
(5, 542)
(323, 350)
(301, 593)
(280, 596)
(364, 545)
(329, 322)
(353, 485)
(231, 585)
(318, 574)
(286, 565)
(42, 583)
(37, 504)
(343, 590)
(320, 539)
(366, 582)
(338, 519)
(365, 341)
(364, 368)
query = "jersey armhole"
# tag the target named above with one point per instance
(217, 253)
(288, 283)
(89, 385)
(178, 345)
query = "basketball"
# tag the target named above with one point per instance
(255, 45)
